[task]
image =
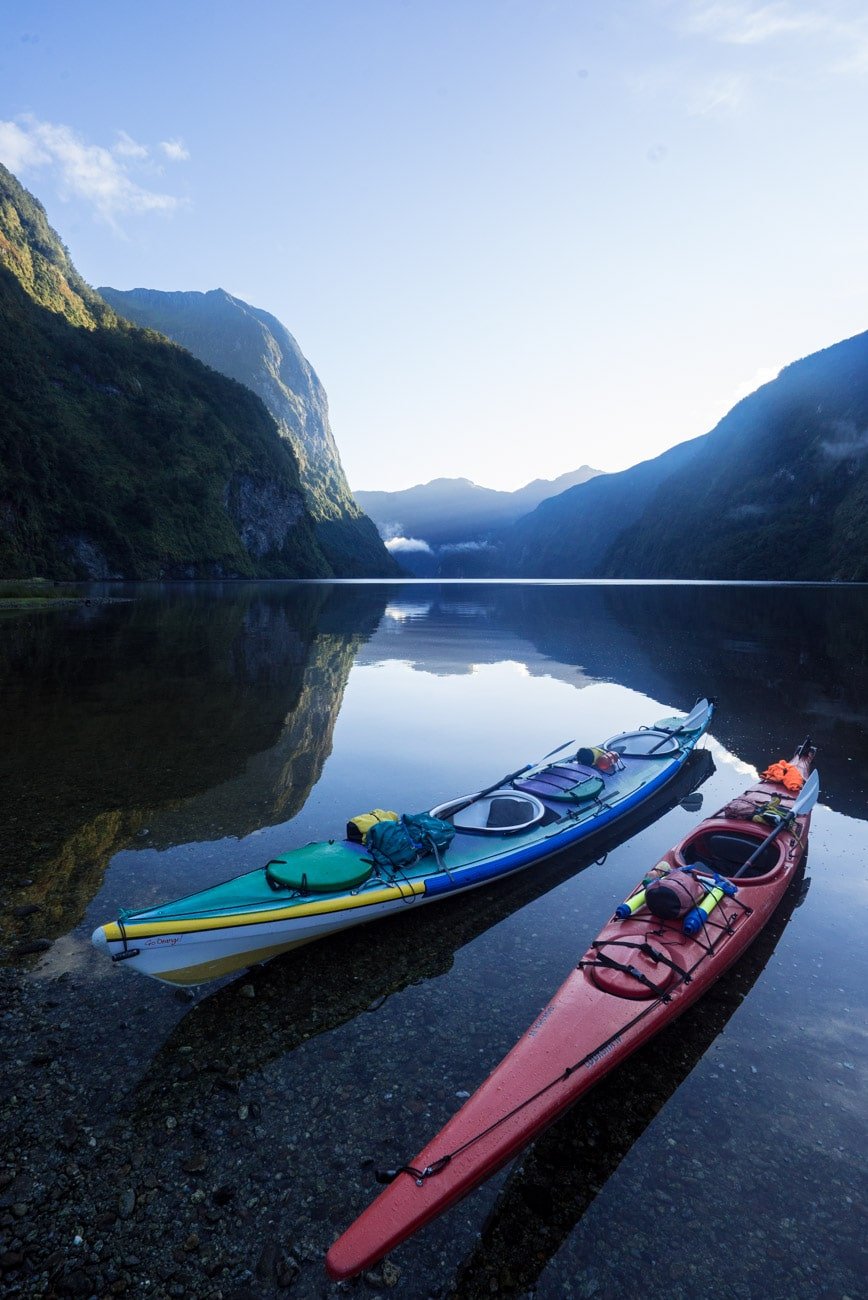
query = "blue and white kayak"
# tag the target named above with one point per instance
(326, 886)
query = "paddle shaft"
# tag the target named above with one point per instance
(505, 780)
(781, 826)
(804, 803)
(677, 731)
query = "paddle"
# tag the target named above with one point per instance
(805, 802)
(692, 802)
(505, 780)
(695, 716)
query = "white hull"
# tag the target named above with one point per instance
(196, 956)
(243, 923)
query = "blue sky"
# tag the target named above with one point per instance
(511, 236)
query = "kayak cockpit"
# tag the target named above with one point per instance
(725, 850)
(502, 812)
(649, 743)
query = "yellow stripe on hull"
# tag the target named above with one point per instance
(345, 902)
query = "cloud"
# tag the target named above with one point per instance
(701, 94)
(746, 23)
(99, 176)
(127, 147)
(175, 150)
(458, 547)
(848, 441)
(764, 375)
(19, 150)
(408, 544)
(719, 95)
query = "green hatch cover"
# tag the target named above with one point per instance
(675, 724)
(318, 869)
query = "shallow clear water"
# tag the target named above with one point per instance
(165, 743)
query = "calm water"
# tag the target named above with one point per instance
(157, 745)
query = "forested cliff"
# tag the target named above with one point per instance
(120, 454)
(254, 347)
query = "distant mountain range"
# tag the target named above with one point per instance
(253, 347)
(455, 519)
(457, 510)
(777, 490)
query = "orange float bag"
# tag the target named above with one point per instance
(786, 774)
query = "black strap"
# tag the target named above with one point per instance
(654, 953)
(276, 885)
(389, 1175)
(610, 964)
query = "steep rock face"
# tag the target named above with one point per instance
(254, 348)
(265, 513)
(777, 490)
(120, 454)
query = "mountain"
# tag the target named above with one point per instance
(453, 510)
(253, 347)
(571, 535)
(777, 490)
(120, 454)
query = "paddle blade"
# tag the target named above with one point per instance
(695, 716)
(808, 796)
(692, 802)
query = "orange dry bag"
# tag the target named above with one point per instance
(786, 774)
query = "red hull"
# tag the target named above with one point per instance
(582, 1034)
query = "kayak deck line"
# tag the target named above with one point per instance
(593, 1055)
(250, 918)
(604, 1011)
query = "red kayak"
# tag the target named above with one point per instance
(684, 925)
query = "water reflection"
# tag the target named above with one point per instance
(194, 715)
(186, 718)
(777, 658)
(229, 722)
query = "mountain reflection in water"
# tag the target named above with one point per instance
(193, 717)
(191, 732)
(771, 651)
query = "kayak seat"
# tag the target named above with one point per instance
(726, 853)
(506, 811)
(319, 868)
